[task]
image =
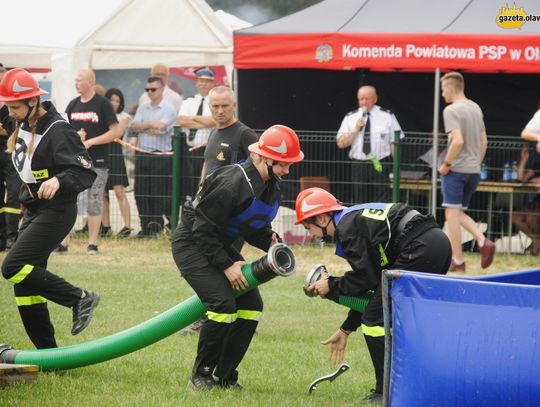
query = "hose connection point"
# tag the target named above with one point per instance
(315, 274)
(5, 355)
(281, 260)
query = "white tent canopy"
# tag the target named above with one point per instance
(110, 34)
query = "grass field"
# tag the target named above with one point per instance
(138, 280)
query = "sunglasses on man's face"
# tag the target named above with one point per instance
(150, 90)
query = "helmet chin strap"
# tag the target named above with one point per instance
(325, 236)
(29, 113)
(270, 170)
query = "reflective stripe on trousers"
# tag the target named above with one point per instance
(22, 274)
(230, 318)
(31, 300)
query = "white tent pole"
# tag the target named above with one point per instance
(435, 167)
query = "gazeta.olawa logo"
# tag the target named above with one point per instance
(514, 17)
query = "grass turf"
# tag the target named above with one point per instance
(138, 279)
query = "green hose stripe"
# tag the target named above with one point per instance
(124, 342)
(356, 303)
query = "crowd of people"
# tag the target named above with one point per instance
(63, 165)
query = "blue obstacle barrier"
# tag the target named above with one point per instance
(465, 341)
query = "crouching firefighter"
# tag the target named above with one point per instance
(371, 237)
(235, 201)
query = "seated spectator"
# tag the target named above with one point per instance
(527, 218)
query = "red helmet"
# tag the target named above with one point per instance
(279, 143)
(18, 84)
(315, 201)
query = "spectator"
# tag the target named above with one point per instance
(169, 95)
(235, 200)
(528, 218)
(228, 143)
(369, 132)
(93, 117)
(10, 183)
(196, 121)
(371, 237)
(460, 171)
(55, 166)
(99, 89)
(117, 179)
(82, 204)
(154, 123)
(531, 133)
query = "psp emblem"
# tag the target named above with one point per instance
(324, 53)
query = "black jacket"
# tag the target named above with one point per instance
(370, 241)
(57, 152)
(225, 194)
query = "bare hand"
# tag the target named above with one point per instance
(360, 123)
(235, 276)
(319, 287)
(48, 189)
(444, 170)
(338, 343)
(82, 134)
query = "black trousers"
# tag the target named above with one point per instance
(428, 253)
(25, 265)
(368, 184)
(153, 190)
(10, 208)
(222, 345)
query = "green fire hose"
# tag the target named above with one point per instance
(279, 261)
(356, 303)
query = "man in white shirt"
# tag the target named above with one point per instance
(369, 132)
(196, 121)
(169, 95)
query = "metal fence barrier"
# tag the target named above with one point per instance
(325, 165)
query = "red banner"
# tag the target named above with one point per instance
(410, 52)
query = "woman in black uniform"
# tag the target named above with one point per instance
(371, 237)
(235, 201)
(54, 167)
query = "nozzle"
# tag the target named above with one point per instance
(281, 260)
(315, 274)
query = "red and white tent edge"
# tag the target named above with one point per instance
(412, 35)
